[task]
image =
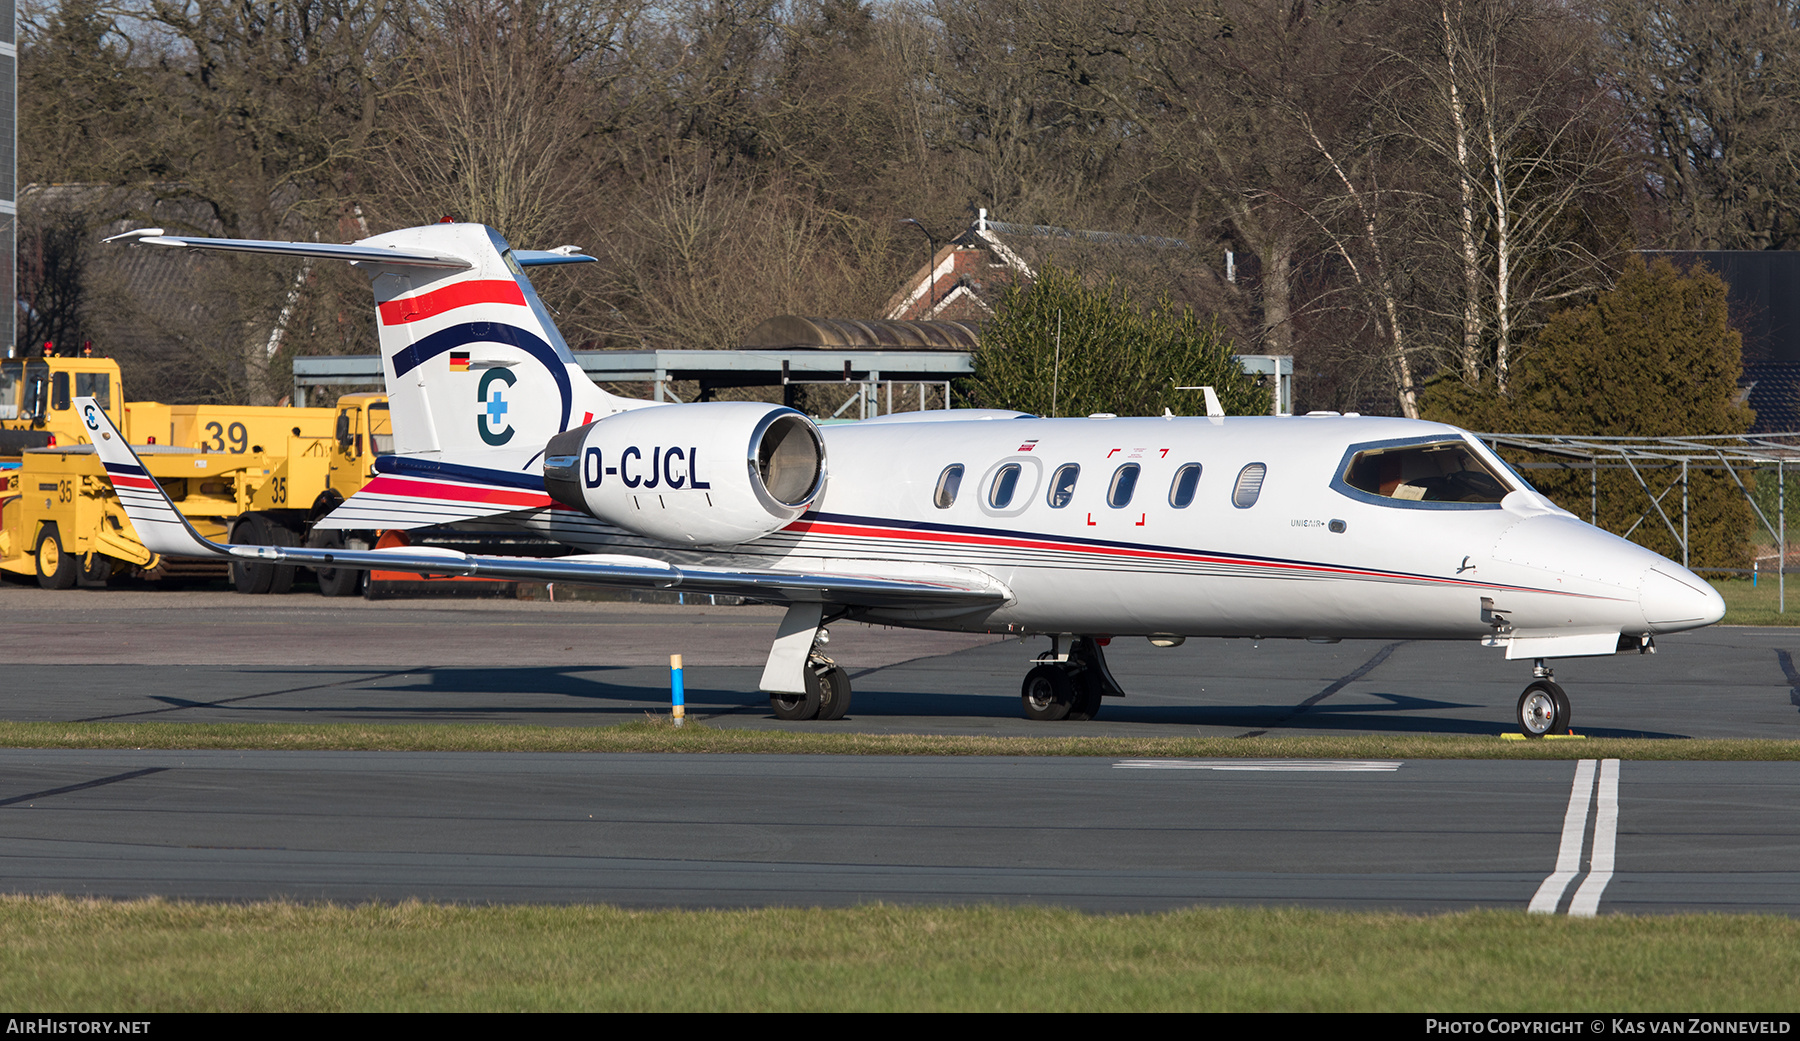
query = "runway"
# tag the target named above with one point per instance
(218, 657)
(729, 831)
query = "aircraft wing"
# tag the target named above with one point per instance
(164, 530)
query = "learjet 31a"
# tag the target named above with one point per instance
(1320, 527)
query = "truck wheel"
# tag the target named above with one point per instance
(282, 535)
(334, 581)
(55, 569)
(96, 570)
(247, 577)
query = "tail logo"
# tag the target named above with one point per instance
(490, 419)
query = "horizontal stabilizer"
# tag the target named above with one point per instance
(321, 250)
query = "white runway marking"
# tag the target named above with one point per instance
(1334, 766)
(1568, 854)
(1606, 833)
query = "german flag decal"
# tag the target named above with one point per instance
(459, 361)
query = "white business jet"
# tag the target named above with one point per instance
(1320, 527)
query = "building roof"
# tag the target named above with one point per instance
(792, 332)
(966, 276)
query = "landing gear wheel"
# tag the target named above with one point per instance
(1087, 699)
(55, 568)
(1048, 694)
(1564, 716)
(834, 692)
(1543, 709)
(793, 708)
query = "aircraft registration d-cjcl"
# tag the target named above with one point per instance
(1321, 527)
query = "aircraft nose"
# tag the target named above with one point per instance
(1674, 598)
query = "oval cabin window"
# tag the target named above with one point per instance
(1000, 496)
(948, 483)
(1181, 490)
(1124, 483)
(1062, 485)
(1249, 486)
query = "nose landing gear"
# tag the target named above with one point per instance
(1543, 707)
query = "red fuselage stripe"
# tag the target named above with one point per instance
(459, 294)
(461, 493)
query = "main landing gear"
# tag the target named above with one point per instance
(827, 693)
(827, 686)
(1543, 708)
(1068, 681)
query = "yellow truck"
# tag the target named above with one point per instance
(240, 473)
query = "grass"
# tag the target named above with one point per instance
(652, 735)
(155, 955)
(1747, 605)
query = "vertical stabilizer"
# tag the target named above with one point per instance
(472, 359)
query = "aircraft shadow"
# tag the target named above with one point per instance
(564, 694)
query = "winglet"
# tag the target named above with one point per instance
(160, 526)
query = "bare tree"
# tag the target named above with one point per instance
(1498, 97)
(489, 127)
(1714, 90)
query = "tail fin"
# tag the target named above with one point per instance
(471, 357)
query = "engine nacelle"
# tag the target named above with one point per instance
(711, 473)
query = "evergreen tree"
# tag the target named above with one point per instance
(1652, 357)
(1061, 347)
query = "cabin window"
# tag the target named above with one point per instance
(1062, 485)
(59, 391)
(1000, 496)
(1124, 482)
(1443, 471)
(947, 484)
(1181, 490)
(1249, 486)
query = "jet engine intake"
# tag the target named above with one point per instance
(710, 473)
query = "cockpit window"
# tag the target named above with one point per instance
(1442, 471)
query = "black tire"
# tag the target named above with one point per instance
(55, 568)
(283, 579)
(1087, 698)
(1047, 694)
(96, 570)
(334, 581)
(1565, 715)
(1543, 709)
(834, 693)
(247, 576)
(796, 707)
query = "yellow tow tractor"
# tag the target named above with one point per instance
(238, 473)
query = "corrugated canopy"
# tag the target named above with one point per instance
(792, 332)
